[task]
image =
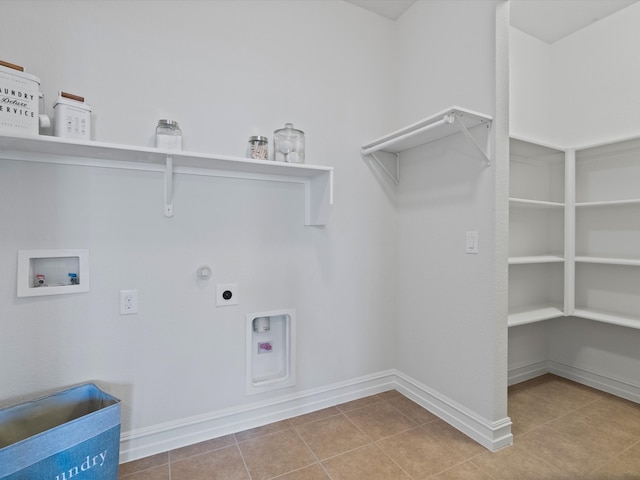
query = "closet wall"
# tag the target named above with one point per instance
(453, 337)
(594, 85)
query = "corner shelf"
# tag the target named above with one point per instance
(526, 203)
(607, 317)
(386, 150)
(608, 203)
(317, 180)
(631, 262)
(536, 259)
(533, 314)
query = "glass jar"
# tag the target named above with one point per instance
(168, 135)
(258, 148)
(288, 144)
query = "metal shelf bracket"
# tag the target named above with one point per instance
(465, 131)
(389, 163)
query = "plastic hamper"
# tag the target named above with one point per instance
(73, 434)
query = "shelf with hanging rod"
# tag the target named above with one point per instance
(386, 150)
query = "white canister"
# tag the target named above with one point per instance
(168, 135)
(72, 117)
(19, 96)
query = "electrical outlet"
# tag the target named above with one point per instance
(226, 294)
(128, 302)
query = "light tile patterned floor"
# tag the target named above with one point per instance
(562, 430)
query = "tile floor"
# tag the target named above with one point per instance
(562, 430)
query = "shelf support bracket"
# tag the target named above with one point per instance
(168, 187)
(389, 165)
(465, 130)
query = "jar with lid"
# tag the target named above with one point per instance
(168, 135)
(288, 144)
(258, 148)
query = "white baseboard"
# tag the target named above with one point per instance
(525, 372)
(606, 383)
(491, 435)
(160, 438)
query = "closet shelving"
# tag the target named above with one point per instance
(597, 275)
(607, 233)
(386, 151)
(536, 259)
(317, 180)
(536, 231)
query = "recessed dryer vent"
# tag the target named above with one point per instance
(270, 350)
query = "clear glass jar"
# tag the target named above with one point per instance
(168, 135)
(288, 144)
(258, 148)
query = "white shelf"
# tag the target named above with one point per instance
(523, 202)
(607, 317)
(532, 314)
(535, 259)
(386, 150)
(609, 203)
(632, 262)
(536, 225)
(318, 180)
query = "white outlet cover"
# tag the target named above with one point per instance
(220, 292)
(128, 302)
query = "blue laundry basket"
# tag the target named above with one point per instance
(73, 434)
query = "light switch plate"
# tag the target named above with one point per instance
(472, 242)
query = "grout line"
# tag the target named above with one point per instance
(316, 420)
(396, 463)
(244, 462)
(441, 443)
(378, 400)
(289, 427)
(318, 461)
(168, 463)
(359, 429)
(468, 460)
(579, 410)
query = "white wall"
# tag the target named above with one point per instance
(596, 99)
(528, 351)
(531, 83)
(451, 335)
(595, 91)
(225, 70)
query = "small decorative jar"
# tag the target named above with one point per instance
(258, 148)
(288, 144)
(168, 135)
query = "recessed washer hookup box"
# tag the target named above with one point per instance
(73, 434)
